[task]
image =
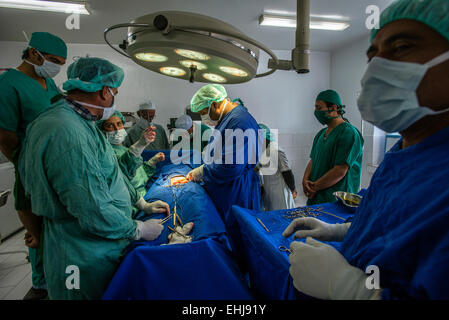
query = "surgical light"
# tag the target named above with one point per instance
(52, 6)
(151, 57)
(196, 64)
(234, 71)
(192, 54)
(214, 78)
(172, 71)
(185, 37)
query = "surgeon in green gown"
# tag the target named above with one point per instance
(72, 175)
(137, 172)
(26, 91)
(336, 156)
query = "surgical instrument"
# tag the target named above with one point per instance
(261, 223)
(178, 233)
(284, 249)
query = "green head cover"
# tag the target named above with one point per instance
(433, 13)
(204, 97)
(92, 74)
(48, 43)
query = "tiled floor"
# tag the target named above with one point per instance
(15, 270)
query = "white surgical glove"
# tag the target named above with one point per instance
(148, 230)
(148, 136)
(153, 207)
(311, 227)
(174, 238)
(320, 271)
(196, 174)
(160, 156)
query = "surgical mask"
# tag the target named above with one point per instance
(107, 112)
(116, 137)
(47, 69)
(388, 99)
(207, 119)
(322, 117)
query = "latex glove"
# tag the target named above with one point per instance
(148, 136)
(153, 207)
(322, 272)
(157, 158)
(196, 174)
(312, 227)
(148, 230)
(174, 238)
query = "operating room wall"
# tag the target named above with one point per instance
(283, 100)
(348, 65)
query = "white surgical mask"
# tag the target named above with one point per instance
(116, 137)
(107, 112)
(206, 117)
(47, 69)
(388, 99)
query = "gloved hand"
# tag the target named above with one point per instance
(174, 238)
(196, 174)
(148, 230)
(322, 272)
(157, 158)
(312, 227)
(148, 136)
(153, 207)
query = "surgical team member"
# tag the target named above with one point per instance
(227, 183)
(147, 113)
(402, 224)
(136, 171)
(279, 189)
(337, 152)
(26, 92)
(76, 185)
(185, 122)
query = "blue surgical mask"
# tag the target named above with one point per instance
(47, 69)
(107, 112)
(388, 99)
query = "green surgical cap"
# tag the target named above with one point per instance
(204, 97)
(92, 74)
(115, 114)
(267, 134)
(48, 43)
(433, 13)
(330, 96)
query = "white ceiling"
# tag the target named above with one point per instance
(243, 14)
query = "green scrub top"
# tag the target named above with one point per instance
(343, 145)
(204, 143)
(76, 185)
(135, 132)
(22, 99)
(143, 172)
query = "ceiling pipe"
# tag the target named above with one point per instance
(301, 53)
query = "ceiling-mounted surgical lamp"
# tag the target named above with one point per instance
(192, 47)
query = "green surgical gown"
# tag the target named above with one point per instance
(143, 172)
(22, 99)
(135, 132)
(343, 145)
(75, 183)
